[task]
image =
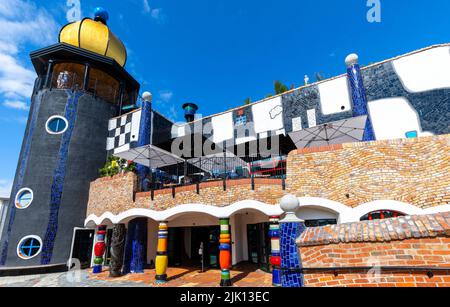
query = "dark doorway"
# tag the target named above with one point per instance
(108, 247)
(182, 255)
(259, 245)
(82, 246)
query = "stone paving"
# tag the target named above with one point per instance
(244, 276)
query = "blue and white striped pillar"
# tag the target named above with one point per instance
(358, 93)
(291, 228)
(145, 132)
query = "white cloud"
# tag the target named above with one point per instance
(5, 188)
(15, 104)
(21, 22)
(165, 95)
(155, 13)
(147, 8)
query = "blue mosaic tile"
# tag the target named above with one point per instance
(145, 130)
(290, 258)
(59, 177)
(359, 99)
(19, 180)
(135, 246)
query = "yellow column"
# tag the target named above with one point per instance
(162, 259)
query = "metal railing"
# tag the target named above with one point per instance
(216, 169)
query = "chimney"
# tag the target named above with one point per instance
(189, 111)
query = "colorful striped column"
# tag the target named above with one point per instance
(275, 258)
(99, 249)
(225, 252)
(162, 260)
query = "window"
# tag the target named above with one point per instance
(56, 125)
(104, 86)
(381, 215)
(24, 198)
(320, 223)
(68, 76)
(29, 247)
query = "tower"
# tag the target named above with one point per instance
(81, 84)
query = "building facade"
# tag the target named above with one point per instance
(370, 144)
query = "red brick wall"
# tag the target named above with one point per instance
(432, 252)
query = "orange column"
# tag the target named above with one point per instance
(162, 259)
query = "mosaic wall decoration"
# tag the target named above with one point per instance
(359, 99)
(291, 277)
(59, 176)
(20, 174)
(135, 247)
(145, 131)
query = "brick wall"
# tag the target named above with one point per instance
(414, 171)
(401, 243)
(116, 194)
(112, 194)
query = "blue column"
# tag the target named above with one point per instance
(135, 250)
(290, 257)
(291, 229)
(358, 93)
(145, 132)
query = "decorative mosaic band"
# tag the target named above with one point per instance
(359, 98)
(59, 177)
(145, 130)
(36, 105)
(162, 259)
(290, 257)
(225, 252)
(99, 249)
(275, 258)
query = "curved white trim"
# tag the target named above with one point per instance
(346, 213)
(391, 205)
(54, 117)
(19, 254)
(172, 213)
(16, 200)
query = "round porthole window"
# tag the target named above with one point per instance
(56, 125)
(24, 198)
(29, 247)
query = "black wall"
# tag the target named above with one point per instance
(86, 155)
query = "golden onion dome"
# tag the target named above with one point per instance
(94, 35)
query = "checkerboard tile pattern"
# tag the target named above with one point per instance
(123, 131)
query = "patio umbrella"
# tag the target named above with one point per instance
(340, 132)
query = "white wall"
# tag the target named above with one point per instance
(424, 71)
(193, 220)
(316, 213)
(335, 96)
(392, 118)
(239, 222)
(223, 127)
(268, 115)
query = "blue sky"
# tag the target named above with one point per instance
(215, 53)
